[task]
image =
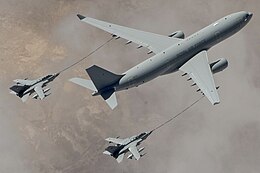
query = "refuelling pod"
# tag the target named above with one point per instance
(219, 65)
(177, 34)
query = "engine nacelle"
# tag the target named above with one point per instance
(218, 65)
(177, 34)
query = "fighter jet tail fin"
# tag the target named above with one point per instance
(101, 77)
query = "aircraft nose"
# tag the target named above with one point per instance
(250, 14)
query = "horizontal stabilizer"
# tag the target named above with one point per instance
(25, 97)
(110, 98)
(120, 158)
(84, 83)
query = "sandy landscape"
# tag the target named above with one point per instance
(65, 132)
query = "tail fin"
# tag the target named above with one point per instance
(101, 77)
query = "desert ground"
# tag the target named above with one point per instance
(65, 132)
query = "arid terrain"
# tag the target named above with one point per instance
(65, 132)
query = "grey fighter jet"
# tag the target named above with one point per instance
(172, 53)
(23, 88)
(122, 146)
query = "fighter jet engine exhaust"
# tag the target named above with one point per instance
(177, 34)
(219, 65)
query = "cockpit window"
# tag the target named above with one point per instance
(46, 77)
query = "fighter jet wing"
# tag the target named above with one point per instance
(199, 70)
(24, 81)
(155, 42)
(39, 91)
(116, 140)
(133, 149)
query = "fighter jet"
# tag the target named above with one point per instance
(172, 53)
(23, 88)
(122, 146)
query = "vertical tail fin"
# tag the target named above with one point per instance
(101, 77)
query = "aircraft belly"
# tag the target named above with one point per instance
(144, 72)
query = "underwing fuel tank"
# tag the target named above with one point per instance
(219, 65)
(131, 155)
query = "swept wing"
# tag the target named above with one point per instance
(155, 42)
(199, 70)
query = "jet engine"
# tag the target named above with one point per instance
(177, 34)
(218, 65)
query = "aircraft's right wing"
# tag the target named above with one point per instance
(155, 42)
(133, 149)
(116, 140)
(39, 91)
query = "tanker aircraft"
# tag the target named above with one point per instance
(172, 53)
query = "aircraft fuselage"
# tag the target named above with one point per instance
(171, 59)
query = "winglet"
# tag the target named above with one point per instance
(81, 17)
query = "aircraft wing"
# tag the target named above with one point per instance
(133, 149)
(39, 91)
(199, 70)
(24, 81)
(116, 140)
(155, 42)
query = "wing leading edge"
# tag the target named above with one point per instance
(155, 42)
(199, 70)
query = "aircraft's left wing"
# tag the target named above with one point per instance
(24, 81)
(133, 149)
(199, 70)
(155, 42)
(39, 91)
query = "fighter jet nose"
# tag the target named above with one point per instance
(250, 14)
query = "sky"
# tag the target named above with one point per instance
(65, 132)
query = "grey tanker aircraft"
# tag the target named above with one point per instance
(172, 53)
